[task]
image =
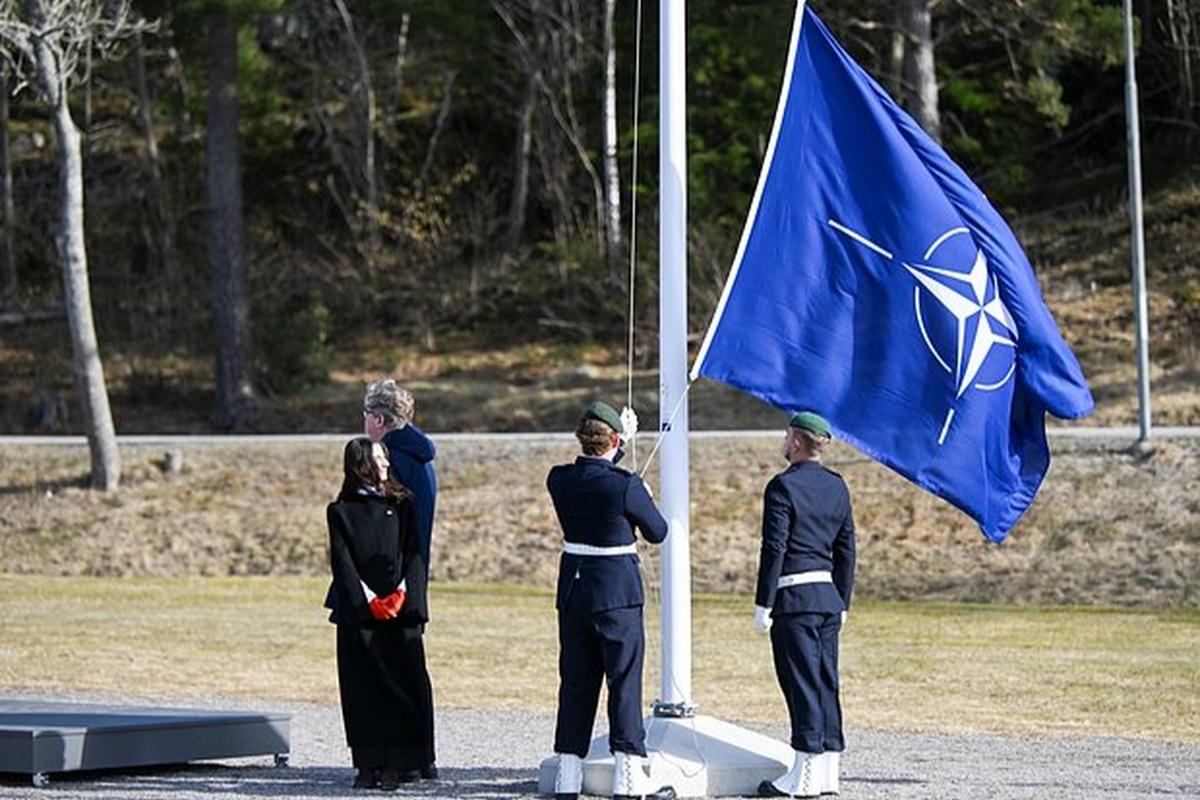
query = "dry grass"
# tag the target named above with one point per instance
(910, 666)
(1108, 528)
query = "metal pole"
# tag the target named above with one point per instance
(676, 695)
(1137, 246)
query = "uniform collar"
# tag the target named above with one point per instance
(364, 495)
(604, 462)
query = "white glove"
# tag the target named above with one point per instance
(629, 422)
(844, 613)
(762, 619)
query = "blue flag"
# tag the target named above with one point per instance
(876, 285)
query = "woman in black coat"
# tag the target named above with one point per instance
(378, 602)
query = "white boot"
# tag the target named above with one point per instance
(568, 781)
(801, 779)
(630, 779)
(825, 772)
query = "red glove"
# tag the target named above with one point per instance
(395, 601)
(379, 609)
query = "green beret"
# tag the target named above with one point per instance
(808, 421)
(606, 414)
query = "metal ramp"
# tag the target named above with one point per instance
(42, 737)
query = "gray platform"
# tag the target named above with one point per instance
(39, 737)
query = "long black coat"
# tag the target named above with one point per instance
(387, 698)
(375, 541)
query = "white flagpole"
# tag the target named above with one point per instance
(675, 698)
(697, 755)
(1137, 250)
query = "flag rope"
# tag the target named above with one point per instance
(651, 577)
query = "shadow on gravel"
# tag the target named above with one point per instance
(884, 781)
(215, 780)
(481, 782)
(206, 780)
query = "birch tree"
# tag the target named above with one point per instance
(612, 175)
(46, 42)
(915, 19)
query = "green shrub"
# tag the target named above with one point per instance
(292, 337)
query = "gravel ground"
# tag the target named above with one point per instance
(495, 755)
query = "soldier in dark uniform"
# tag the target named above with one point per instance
(600, 598)
(805, 577)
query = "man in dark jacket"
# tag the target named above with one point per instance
(388, 412)
(599, 604)
(805, 578)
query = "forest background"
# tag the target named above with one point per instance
(287, 198)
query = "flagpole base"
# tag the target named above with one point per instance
(676, 710)
(699, 756)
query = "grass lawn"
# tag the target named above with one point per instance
(906, 666)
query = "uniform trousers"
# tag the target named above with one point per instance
(805, 647)
(598, 645)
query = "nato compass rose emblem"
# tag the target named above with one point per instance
(983, 355)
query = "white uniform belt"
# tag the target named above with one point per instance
(798, 578)
(576, 549)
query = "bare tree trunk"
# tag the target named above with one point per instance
(1179, 28)
(612, 175)
(401, 55)
(231, 307)
(919, 74)
(181, 117)
(72, 250)
(439, 125)
(160, 204)
(895, 56)
(567, 55)
(524, 146)
(9, 262)
(369, 177)
(87, 99)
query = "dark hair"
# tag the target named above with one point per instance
(595, 437)
(359, 472)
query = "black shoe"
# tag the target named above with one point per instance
(429, 772)
(767, 789)
(366, 779)
(566, 796)
(664, 793)
(390, 779)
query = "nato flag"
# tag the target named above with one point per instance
(876, 285)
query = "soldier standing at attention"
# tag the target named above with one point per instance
(600, 598)
(805, 577)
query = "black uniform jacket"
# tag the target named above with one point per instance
(807, 525)
(376, 541)
(599, 504)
